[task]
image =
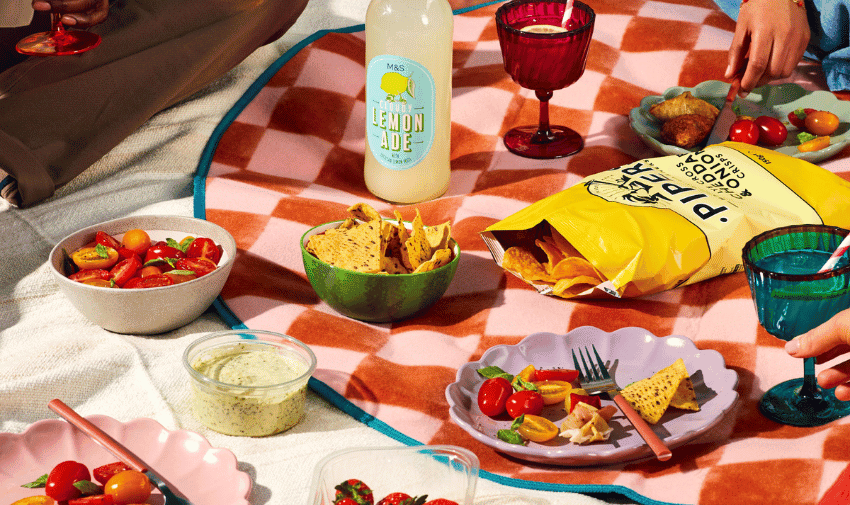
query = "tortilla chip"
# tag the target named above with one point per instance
(392, 265)
(357, 249)
(523, 262)
(441, 257)
(685, 398)
(364, 212)
(650, 397)
(416, 250)
(438, 236)
(574, 267)
(403, 234)
(347, 224)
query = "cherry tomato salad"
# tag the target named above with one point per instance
(815, 128)
(356, 492)
(70, 483)
(138, 262)
(525, 395)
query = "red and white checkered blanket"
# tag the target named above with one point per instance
(290, 156)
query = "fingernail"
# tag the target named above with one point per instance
(792, 346)
(41, 6)
(728, 69)
(68, 21)
(743, 94)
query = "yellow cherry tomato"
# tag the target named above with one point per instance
(137, 241)
(90, 258)
(816, 144)
(36, 500)
(526, 375)
(128, 487)
(553, 391)
(537, 429)
(821, 122)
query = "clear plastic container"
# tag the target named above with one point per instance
(249, 382)
(439, 471)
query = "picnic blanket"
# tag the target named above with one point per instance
(289, 156)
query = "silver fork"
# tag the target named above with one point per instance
(596, 379)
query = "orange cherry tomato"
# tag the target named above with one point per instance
(816, 144)
(137, 241)
(100, 283)
(537, 429)
(821, 122)
(128, 487)
(149, 270)
(553, 391)
(90, 258)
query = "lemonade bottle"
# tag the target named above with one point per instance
(408, 99)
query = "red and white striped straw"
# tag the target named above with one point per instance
(842, 248)
(568, 13)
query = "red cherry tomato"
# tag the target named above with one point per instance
(524, 402)
(105, 472)
(203, 247)
(555, 374)
(125, 270)
(128, 487)
(821, 123)
(771, 131)
(90, 275)
(97, 499)
(60, 481)
(201, 266)
(744, 130)
(493, 395)
(798, 117)
(106, 239)
(125, 253)
(162, 250)
(180, 278)
(152, 281)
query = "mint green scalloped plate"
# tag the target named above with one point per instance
(775, 100)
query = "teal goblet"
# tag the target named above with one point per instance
(791, 298)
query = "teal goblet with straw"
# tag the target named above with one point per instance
(795, 289)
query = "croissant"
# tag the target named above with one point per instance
(681, 105)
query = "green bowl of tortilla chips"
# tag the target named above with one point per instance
(373, 269)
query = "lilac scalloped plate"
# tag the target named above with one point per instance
(631, 354)
(204, 474)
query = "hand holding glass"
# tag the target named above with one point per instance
(791, 298)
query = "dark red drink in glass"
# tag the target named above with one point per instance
(58, 41)
(544, 62)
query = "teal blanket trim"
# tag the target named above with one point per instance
(319, 387)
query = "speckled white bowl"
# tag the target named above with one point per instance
(151, 310)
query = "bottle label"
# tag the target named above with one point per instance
(399, 111)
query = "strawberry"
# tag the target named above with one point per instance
(403, 499)
(353, 491)
(441, 501)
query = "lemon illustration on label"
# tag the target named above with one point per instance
(395, 84)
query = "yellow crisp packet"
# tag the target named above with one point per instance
(660, 223)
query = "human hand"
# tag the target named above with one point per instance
(79, 13)
(770, 39)
(827, 341)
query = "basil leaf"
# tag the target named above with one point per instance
(170, 242)
(492, 371)
(185, 243)
(182, 272)
(523, 385)
(88, 487)
(39, 482)
(510, 437)
(102, 251)
(517, 422)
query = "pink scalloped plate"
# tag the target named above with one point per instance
(631, 354)
(204, 474)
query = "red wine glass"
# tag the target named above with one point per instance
(58, 41)
(544, 62)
